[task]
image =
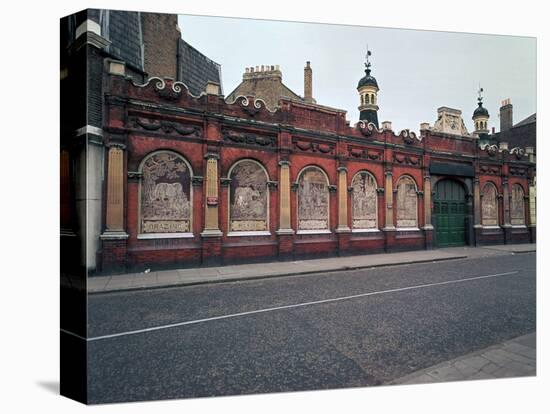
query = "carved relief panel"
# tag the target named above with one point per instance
(313, 200)
(248, 197)
(517, 206)
(407, 203)
(489, 206)
(165, 194)
(364, 199)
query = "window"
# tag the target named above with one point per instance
(407, 203)
(248, 197)
(489, 205)
(517, 206)
(166, 206)
(313, 200)
(364, 201)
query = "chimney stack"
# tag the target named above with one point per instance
(308, 86)
(506, 115)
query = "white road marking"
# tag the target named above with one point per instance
(296, 305)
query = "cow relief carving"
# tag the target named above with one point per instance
(165, 194)
(517, 206)
(364, 199)
(489, 206)
(248, 197)
(407, 203)
(313, 200)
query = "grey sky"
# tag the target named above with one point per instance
(417, 71)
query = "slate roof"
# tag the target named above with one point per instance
(123, 29)
(196, 69)
(529, 120)
(523, 134)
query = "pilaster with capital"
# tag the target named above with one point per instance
(285, 226)
(388, 193)
(211, 205)
(343, 226)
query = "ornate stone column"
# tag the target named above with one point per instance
(211, 214)
(285, 231)
(284, 199)
(428, 227)
(388, 191)
(114, 220)
(389, 227)
(478, 228)
(343, 230)
(343, 226)
(114, 237)
(211, 234)
(507, 226)
(477, 203)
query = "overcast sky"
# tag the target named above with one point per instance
(417, 71)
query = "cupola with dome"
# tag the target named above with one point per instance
(368, 95)
(481, 117)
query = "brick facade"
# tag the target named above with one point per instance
(162, 115)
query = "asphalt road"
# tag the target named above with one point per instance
(387, 330)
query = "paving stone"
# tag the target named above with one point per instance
(481, 375)
(476, 362)
(490, 368)
(515, 357)
(511, 372)
(465, 369)
(446, 373)
(497, 361)
(522, 350)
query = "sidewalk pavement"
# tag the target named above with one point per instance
(194, 276)
(513, 358)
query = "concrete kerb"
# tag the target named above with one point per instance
(456, 255)
(274, 275)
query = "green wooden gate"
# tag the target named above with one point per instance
(449, 214)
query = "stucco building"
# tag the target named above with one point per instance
(186, 176)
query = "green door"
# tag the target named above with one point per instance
(449, 214)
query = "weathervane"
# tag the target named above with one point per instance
(480, 97)
(367, 63)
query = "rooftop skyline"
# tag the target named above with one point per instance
(417, 71)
